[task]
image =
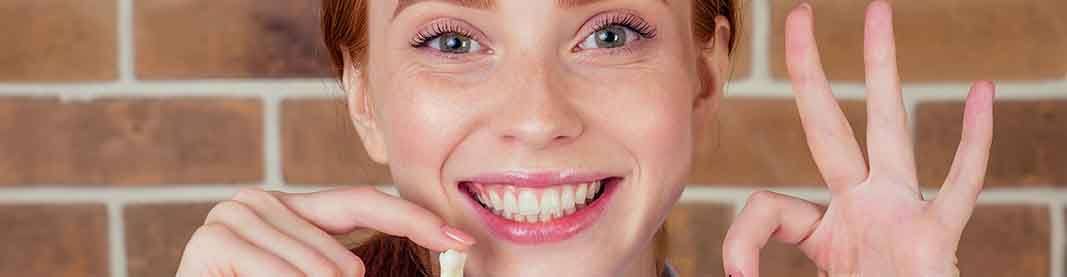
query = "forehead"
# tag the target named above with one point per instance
(491, 4)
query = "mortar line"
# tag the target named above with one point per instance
(760, 39)
(116, 239)
(125, 35)
(323, 89)
(272, 160)
(911, 106)
(125, 42)
(1057, 248)
(693, 193)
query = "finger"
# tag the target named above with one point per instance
(214, 248)
(888, 138)
(958, 195)
(344, 210)
(830, 137)
(245, 223)
(276, 214)
(766, 215)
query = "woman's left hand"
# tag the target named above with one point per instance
(877, 223)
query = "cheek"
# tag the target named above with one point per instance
(421, 124)
(654, 119)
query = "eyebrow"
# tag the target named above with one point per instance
(490, 4)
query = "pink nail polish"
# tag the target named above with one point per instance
(457, 235)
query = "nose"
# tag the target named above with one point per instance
(537, 114)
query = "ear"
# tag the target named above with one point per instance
(360, 108)
(715, 68)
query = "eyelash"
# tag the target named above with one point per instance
(633, 22)
(422, 38)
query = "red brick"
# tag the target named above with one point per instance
(130, 141)
(760, 142)
(156, 235)
(193, 39)
(54, 240)
(320, 146)
(941, 40)
(695, 233)
(58, 40)
(1006, 241)
(1028, 149)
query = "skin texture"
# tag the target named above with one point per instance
(530, 102)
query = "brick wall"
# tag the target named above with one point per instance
(121, 121)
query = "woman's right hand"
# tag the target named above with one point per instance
(261, 233)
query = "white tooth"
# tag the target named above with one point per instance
(511, 206)
(579, 194)
(528, 202)
(494, 200)
(545, 217)
(593, 189)
(566, 198)
(483, 199)
(568, 212)
(549, 204)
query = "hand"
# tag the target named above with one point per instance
(260, 233)
(877, 223)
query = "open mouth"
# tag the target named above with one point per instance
(537, 209)
(536, 205)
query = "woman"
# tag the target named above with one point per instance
(557, 135)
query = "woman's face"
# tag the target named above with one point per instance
(504, 116)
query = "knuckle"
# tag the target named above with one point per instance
(324, 268)
(352, 266)
(227, 210)
(762, 197)
(207, 235)
(252, 195)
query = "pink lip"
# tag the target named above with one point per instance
(537, 179)
(545, 232)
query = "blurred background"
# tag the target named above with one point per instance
(122, 121)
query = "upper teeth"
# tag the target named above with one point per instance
(535, 205)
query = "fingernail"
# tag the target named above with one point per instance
(457, 235)
(806, 6)
(736, 274)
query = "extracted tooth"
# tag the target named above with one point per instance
(452, 263)
(528, 202)
(579, 194)
(511, 205)
(566, 199)
(593, 189)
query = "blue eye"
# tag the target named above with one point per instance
(612, 36)
(454, 43)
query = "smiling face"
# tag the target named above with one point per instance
(558, 133)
